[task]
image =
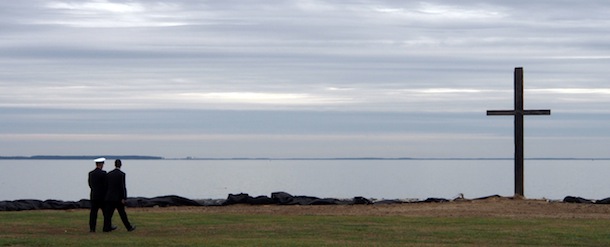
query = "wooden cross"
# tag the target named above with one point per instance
(518, 112)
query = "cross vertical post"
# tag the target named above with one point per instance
(518, 112)
(519, 132)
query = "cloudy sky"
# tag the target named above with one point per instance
(307, 78)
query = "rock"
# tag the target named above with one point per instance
(260, 200)
(241, 198)
(282, 198)
(161, 201)
(603, 201)
(432, 199)
(56, 204)
(359, 200)
(572, 199)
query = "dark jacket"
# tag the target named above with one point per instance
(98, 184)
(116, 186)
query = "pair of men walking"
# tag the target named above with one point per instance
(108, 192)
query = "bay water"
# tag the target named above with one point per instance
(379, 179)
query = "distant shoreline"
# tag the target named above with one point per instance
(144, 157)
(381, 158)
(80, 157)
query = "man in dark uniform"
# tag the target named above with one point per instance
(115, 198)
(98, 185)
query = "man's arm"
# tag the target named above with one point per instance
(124, 188)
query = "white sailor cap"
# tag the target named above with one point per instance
(100, 160)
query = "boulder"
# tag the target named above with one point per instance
(161, 201)
(56, 204)
(432, 199)
(359, 200)
(603, 201)
(260, 200)
(241, 198)
(573, 199)
(282, 198)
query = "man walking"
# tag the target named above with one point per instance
(98, 185)
(115, 198)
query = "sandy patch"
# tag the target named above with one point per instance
(492, 207)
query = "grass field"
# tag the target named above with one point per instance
(191, 228)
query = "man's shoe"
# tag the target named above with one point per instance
(111, 229)
(133, 228)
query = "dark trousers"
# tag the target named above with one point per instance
(110, 207)
(96, 205)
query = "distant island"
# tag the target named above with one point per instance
(81, 157)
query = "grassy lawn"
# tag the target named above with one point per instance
(183, 228)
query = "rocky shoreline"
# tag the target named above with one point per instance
(276, 198)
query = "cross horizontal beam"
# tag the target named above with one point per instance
(513, 112)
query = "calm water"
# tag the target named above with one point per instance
(67, 179)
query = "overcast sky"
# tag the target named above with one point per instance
(302, 78)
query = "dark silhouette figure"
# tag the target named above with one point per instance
(98, 184)
(115, 198)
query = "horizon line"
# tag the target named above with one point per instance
(147, 157)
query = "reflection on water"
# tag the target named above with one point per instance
(198, 179)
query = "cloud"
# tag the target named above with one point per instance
(259, 98)
(98, 6)
(102, 13)
(456, 12)
(590, 91)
